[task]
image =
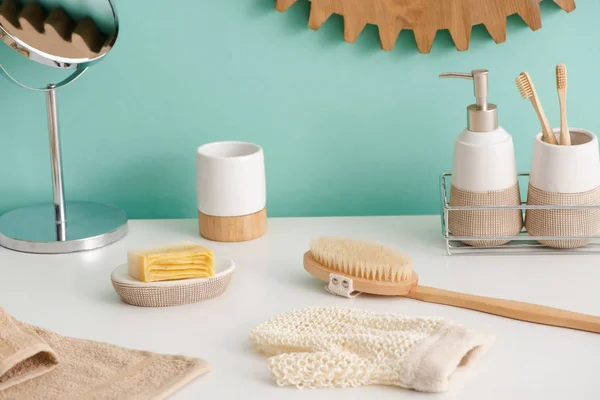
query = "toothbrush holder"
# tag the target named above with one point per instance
(231, 191)
(565, 176)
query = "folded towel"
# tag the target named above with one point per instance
(39, 364)
(23, 354)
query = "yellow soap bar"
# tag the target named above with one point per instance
(181, 261)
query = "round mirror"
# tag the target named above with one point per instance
(59, 33)
(66, 34)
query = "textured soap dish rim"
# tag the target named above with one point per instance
(172, 293)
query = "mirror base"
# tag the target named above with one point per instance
(89, 226)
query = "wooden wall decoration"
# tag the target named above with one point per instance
(425, 17)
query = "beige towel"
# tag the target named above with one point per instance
(39, 364)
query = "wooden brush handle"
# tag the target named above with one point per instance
(508, 308)
(546, 128)
(565, 136)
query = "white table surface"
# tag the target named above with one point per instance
(72, 295)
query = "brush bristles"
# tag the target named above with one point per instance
(524, 84)
(361, 259)
(561, 76)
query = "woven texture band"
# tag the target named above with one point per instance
(175, 295)
(485, 222)
(563, 222)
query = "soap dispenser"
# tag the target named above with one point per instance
(484, 172)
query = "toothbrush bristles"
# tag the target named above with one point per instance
(561, 76)
(524, 84)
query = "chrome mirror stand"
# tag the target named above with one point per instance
(62, 227)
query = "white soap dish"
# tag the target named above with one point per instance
(172, 293)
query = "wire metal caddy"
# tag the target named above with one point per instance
(523, 243)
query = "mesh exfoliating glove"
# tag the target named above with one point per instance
(333, 346)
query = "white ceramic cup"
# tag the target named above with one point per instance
(565, 175)
(566, 169)
(230, 179)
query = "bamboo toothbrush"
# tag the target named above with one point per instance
(527, 91)
(381, 270)
(561, 87)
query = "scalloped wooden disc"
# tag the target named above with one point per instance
(425, 17)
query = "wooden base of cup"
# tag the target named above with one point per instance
(233, 229)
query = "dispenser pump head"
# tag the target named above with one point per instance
(481, 116)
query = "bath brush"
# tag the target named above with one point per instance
(351, 266)
(425, 17)
(173, 292)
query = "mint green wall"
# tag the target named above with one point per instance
(347, 129)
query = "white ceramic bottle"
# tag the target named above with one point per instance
(484, 172)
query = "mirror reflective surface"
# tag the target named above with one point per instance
(65, 34)
(59, 33)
